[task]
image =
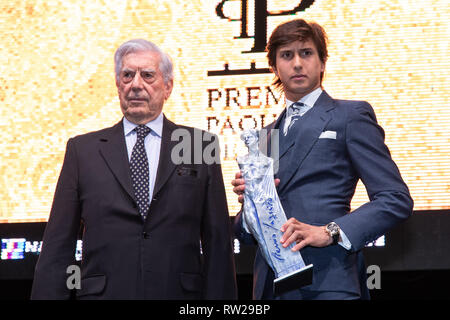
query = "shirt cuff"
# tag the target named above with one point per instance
(344, 242)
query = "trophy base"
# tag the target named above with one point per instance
(293, 280)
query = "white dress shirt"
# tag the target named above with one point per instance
(309, 100)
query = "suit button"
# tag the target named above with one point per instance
(154, 199)
(145, 235)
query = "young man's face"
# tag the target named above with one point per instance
(298, 66)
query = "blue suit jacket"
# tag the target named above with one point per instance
(318, 180)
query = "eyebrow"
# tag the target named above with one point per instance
(142, 70)
(302, 49)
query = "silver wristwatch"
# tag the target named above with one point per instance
(334, 231)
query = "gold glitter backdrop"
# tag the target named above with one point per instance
(57, 81)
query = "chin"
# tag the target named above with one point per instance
(137, 116)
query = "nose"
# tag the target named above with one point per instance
(137, 82)
(297, 61)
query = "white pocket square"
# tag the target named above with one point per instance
(328, 135)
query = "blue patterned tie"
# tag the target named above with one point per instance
(140, 171)
(294, 112)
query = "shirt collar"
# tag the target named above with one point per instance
(309, 100)
(156, 125)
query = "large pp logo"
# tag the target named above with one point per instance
(261, 14)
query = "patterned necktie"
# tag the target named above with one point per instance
(140, 171)
(294, 112)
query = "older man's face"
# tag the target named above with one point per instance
(141, 87)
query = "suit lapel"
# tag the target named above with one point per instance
(165, 164)
(114, 151)
(275, 138)
(310, 128)
(286, 143)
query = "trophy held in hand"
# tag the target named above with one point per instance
(263, 217)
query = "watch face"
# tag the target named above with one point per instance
(333, 228)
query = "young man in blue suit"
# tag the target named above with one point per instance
(325, 147)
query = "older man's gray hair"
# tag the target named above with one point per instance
(140, 45)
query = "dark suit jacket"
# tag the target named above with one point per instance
(125, 257)
(318, 177)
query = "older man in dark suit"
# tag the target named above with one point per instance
(325, 147)
(155, 222)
